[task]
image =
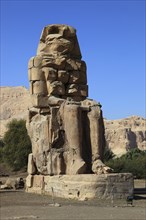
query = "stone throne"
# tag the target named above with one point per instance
(65, 127)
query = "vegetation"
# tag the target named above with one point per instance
(108, 155)
(15, 146)
(133, 162)
(1, 149)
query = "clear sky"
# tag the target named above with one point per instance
(111, 35)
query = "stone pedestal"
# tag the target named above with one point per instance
(82, 187)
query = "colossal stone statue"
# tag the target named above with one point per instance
(66, 128)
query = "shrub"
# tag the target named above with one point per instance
(1, 150)
(17, 145)
(108, 154)
(133, 162)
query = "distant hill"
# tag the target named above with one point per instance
(14, 104)
(124, 134)
(120, 135)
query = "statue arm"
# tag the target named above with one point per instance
(53, 101)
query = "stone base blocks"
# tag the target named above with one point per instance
(82, 187)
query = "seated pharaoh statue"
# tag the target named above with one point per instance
(65, 127)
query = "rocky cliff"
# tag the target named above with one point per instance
(14, 104)
(121, 135)
(124, 134)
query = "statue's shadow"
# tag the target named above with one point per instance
(140, 194)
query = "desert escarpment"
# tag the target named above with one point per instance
(124, 134)
(14, 104)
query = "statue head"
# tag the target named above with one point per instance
(59, 40)
(58, 70)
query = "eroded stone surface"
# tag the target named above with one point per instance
(66, 128)
(85, 186)
(125, 134)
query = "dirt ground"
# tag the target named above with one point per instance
(27, 206)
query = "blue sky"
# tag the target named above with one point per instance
(111, 35)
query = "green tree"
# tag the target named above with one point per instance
(17, 145)
(134, 161)
(1, 150)
(108, 154)
(1, 143)
(133, 154)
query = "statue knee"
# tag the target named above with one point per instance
(95, 112)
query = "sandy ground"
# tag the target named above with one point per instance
(27, 206)
(21, 205)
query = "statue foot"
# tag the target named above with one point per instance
(99, 167)
(77, 166)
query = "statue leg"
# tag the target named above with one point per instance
(73, 136)
(96, 132)
(97, 140)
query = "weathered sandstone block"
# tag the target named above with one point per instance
(68, 138)
(39, 101)
(77, 77)
(56, 88)
(85, 186)
(50, 73)
(66, 128)
(31, 169)
(63, 76)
